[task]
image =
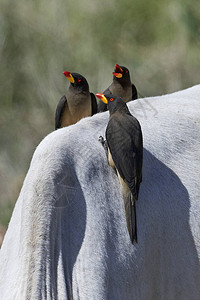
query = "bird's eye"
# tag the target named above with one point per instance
(79, 80)
(111, 99)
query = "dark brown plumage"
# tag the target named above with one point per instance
(77, 103)
(125, 153)
(121, 86)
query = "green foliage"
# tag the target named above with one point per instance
(5, 213)
(157, 40)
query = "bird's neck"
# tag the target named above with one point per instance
(124, 82)
(78, 90)
(119, 109)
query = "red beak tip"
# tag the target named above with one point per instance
(118, 69)
(99, 95)
(66, 73)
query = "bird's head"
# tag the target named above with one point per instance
(114, 102)
(77, 81)
(121, 73)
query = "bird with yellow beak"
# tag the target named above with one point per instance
(125, 154)
(77, 103)
(121, 86)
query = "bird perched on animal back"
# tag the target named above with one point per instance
(121, 86)
(125, 154)
(77, 103)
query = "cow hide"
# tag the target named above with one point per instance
(68, 239)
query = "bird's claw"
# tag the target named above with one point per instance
(101, 139)
(103, 142)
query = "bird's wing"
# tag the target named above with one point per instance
(134, 92)
(93, 103)
(59, 111)
(124, 138)
(101, 105)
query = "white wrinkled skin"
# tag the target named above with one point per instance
(68, 237)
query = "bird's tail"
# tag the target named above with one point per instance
(130, 197)
(130, 208)
(133, 219)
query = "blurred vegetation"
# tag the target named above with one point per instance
(157, 40)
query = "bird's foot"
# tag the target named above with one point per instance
(103, 142)
(101, 139)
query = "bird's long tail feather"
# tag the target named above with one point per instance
(133, 219)
(130, 210)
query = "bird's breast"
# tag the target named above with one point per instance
(77, 107)
(110, 159)
(124, 92)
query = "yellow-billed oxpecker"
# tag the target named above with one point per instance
(121, 86)
(77, 103)
(125, 154)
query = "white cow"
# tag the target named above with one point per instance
(68, 239)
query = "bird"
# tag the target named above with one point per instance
(125, 154)
(77, 103)
(121, 86)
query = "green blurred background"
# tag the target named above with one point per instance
(157, 40)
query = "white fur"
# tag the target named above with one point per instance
(68, 236)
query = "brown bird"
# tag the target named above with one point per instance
(121, 86)
(78, 102)
(125, 154)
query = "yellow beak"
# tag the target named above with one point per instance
(118, 75)
(69, 76)
(102, 97)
